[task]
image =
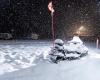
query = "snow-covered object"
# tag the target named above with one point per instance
(76, 39)
(59, 44)
(59, 41)
(76, 45)
(57, 50)
(73, 50)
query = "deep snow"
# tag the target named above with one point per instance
(16, 55)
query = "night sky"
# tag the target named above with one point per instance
(23, 17)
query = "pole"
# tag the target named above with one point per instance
(97, 43)
(53, 34)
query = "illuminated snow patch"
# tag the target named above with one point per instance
(14, 58)
(95, 55)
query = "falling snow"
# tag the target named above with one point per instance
(27, 17)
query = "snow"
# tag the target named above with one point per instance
(76, 44)
(94, 53)
(14, 57)
(58, 41)
(77, 40)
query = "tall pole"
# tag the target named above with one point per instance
(53, 33)
(97, 43)
(50, 7)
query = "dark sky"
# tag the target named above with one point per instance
(23, 17)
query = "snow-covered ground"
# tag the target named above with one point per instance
(20, 54)
(16, 55)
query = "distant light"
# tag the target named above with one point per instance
(81, 28)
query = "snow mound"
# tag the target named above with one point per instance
(19, 56)
(16, 57)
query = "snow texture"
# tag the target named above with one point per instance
(15, 56)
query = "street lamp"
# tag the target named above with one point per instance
(51, 9)
(80, 30)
